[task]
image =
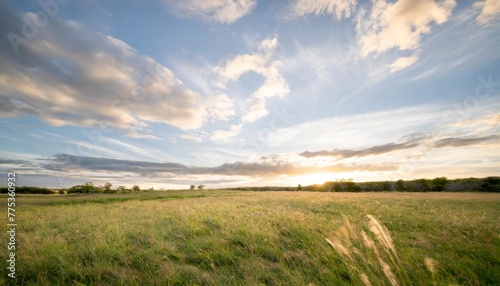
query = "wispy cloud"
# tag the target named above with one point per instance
(218, 11)
(225, 134)
(220, 108)
(337, 8)
(262, 63)
(403, 62)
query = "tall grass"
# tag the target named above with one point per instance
(249, 238)
(368, 255)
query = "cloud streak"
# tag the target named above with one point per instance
(465, 141)
(425, 142)
(375, 150)
(65, 162)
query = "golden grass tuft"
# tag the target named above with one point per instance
(388, 272)
(430, 264)
(382, 235)
(372, 256)
(337, 245)
(366, 253)
(365, 279)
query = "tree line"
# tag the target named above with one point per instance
(439, 184)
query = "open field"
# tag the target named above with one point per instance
(256, 238)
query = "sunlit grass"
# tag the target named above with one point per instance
(253, 238)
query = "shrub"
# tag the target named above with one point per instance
(401, 186)
(439, 184)
(87, 188)
(491, 184)
(122, 189)
(27, 190)
(107, 188)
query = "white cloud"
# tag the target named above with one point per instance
(338, 8)
(219, 11)
(221, 108)
(489, 10)
(401, 24)
(191, 137)
(226, 134)
(256, 111)
(261, 63)
(70, 76)
(403, 62)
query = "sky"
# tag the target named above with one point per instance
(228, 93)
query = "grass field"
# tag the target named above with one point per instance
(256, 238)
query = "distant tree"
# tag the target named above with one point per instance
(107, 187)
(75, 189)
(491, 184)
(122, 189)
(344, 185)
(136, 188)
(299, 187)
(87, 188)
(352, 187)
(421, 185)
(192, 187)
(201, 187)
(400, 186)
(387, 186)
(61, 192)
(439, 184)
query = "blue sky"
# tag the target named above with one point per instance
(225, 93)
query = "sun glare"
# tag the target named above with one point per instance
(311, 179)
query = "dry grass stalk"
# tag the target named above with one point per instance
(382, 235)
(337, 245)
(431, 265)
(367, 241)
(388, 273)
(351, 230)
(359, 247)
(365, 279)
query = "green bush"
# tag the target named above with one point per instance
(27, 190)
(87, 188)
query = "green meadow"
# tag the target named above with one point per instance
(223, 237)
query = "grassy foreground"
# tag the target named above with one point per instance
(256, 238)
